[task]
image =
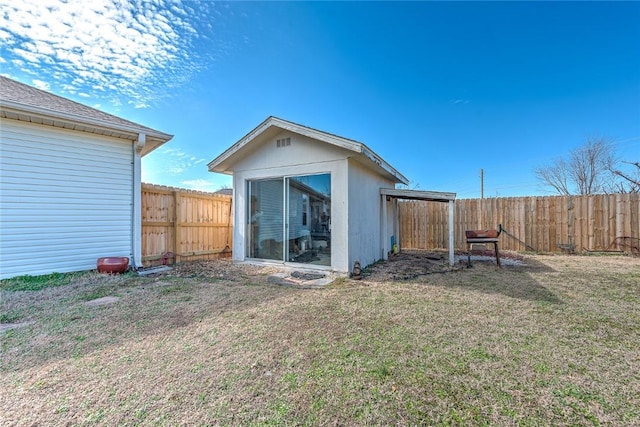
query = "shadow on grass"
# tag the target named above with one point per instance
(64, 326)
(60, 324)
(512, 280)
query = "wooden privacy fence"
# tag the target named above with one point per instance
(180, 224)
(541, 224)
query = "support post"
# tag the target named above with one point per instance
(383, 228)
(481, 208)
(177, 243)
(396, 223)
(451, 242)
(136, 212)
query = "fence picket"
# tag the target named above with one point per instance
(540, 223)
(190, 224)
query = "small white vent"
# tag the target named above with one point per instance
(284, 142)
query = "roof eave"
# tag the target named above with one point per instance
(373, 157)
(221, 163)
(154, 138)
(434, 196)
(218, 164)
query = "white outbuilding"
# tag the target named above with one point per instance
(69, 183)
(304, 197)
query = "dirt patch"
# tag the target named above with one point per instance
(9, 326)
(221, 269)
(406, 265)
(227, 270)
(102, 301)
(411, 264)
(303, 280)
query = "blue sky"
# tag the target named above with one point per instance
(439, 90)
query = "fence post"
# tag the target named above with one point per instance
(538, 223)
(451, 236)
(176, 226)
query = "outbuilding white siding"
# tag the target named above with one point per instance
(360, 225)
(269, 161)
(66, 199)
(366, 236)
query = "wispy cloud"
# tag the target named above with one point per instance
(459, 101)
(40, 84)
(178, 161)
(133, 52)
(200, 185)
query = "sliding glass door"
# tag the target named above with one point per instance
(265, 219)
(289, 219)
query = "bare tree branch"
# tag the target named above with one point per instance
(633, 182)
(588, 169)
(589, 163)
(555, 176)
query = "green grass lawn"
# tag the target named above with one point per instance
(553, 342)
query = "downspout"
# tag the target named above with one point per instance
(136, 188)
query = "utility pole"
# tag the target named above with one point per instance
(481, 198)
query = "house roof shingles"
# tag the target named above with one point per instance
(20, 101)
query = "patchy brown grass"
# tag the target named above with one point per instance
(552, 342)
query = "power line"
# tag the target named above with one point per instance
(635, 138)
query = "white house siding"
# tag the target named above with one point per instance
(65, 199)
(365, 214)
(304, 156)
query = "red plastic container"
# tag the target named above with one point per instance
(113, 265)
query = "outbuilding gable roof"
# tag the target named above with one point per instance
(23, 102)
(223, 163)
